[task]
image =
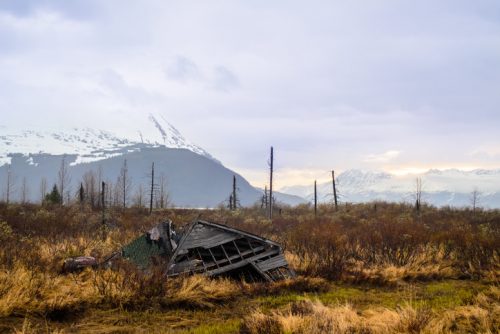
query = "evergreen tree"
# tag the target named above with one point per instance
(54, 197)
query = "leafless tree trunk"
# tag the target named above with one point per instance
(24, 191)
(64, 180)
(418, 194)
(234, 199)
(264, 198)
(162, 196)
(271, 170)
(103, 208)
(139, 196)
(315, 199)
(475, 198)
(103, 196)
(109, 193)
(152, 188)
(91, 188)
(99, 183)
(124, 183)
(10, 185)
(43, 189)
(334, 191)
(117, 193)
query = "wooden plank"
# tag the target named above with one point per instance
(210, 242)
(234, 257)
(242, 263)
(275, 262)
(243, 233)
(264, 275)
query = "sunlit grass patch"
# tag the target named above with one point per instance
(448, 294)
(224, 327)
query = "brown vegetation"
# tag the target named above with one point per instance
(380, 245)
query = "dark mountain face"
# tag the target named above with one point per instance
(192, 180)
(192, 177)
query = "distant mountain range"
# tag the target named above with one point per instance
(193, 177)
(439, 187)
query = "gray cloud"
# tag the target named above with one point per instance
(183, 69)
(328, 84)
(225, 80)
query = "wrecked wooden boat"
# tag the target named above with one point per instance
(209, 249)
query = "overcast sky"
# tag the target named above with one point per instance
(391, 85)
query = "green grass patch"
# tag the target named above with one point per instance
(227, 327)
(273, 302)
(448, 294)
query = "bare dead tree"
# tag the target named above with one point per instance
(99, 183)
(418, 194)
(109, 193)
(117, 193)
(43, 189)
(163, 195)
(9, 191)
(234, 197)
(124, 183)
(315, 198)
(264, 202)
(64, 179)
(139, 196)
(24, 191)
(271, 170)
(91, 188)
(334, 191)
(103, 196)
(152, 188)
(103, 210)
(475, 198)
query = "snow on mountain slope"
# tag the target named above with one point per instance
(90, 144)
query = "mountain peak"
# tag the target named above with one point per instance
(91, 144)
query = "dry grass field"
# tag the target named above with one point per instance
(367, 268)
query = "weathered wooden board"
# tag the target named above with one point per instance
(207, 237)
(274, 262)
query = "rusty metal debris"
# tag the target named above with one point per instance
(210, 249)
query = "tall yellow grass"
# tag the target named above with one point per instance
(313, 317)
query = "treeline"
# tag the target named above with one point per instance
(378, 242)
(93, 189)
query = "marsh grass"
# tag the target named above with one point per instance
(361, 270)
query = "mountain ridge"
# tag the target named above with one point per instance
(440, 187)
(195, 178)
(91, 144)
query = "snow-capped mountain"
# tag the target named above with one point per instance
(90, 144)
(440, 187)
(193, 178)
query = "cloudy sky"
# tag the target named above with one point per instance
(389, 85)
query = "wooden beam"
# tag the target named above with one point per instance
(227, 257)
(236, 246)
(213, 257)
